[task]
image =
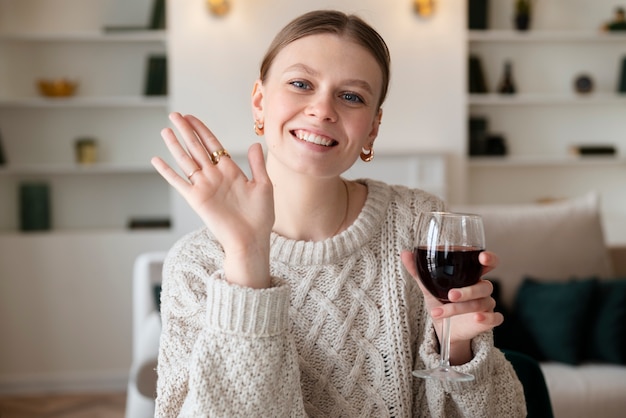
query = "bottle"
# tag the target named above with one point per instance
(507, 84)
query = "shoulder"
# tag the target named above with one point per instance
(402, 197)
(196, 251)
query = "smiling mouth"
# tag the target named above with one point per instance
(312, 138)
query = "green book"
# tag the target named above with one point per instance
(3, 159)
(622, 81)
(157, 18)
(34, 206)
(156, 77)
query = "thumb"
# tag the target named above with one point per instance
(257, 163)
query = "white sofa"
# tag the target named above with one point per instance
(549, 241)
(141, 389)
(557, 242)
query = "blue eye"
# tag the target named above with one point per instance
(351, 97)
(300, 84)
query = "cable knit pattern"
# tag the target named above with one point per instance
(337, 334)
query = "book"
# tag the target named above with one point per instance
(3, 159)
(156, 77)
(477, 14)
(149, 223)
(593, 150)
(476, 77)
(157, 17)
(622, 82)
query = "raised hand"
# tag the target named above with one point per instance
(238, 210)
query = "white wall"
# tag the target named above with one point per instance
(214, 62)
(66, 317)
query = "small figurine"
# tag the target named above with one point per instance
(618, 23)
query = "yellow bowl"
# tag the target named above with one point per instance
(57, 88)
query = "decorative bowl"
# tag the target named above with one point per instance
(61, 87)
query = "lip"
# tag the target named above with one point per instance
(312, 137)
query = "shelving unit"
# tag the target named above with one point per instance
(38, 133)
(546, 117)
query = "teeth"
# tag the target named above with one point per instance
(314, 139)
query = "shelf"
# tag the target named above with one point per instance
(86, 101)
(541, 36)
(545, 161)
(61, 234)
(76, 169)
(98, 36)
(523, 99)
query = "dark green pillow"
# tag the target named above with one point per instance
(512, 334)
(557, 316)
(156, 293)
(608, 334)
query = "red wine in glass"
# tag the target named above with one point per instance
(443, 268)
(446, 256)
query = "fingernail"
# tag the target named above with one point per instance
(437, 312)
(454, 295)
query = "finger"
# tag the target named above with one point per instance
(210, 143)
(482, 289)
(489, 319)
(170, 175)
(186, 163)
(257, 163)
(190, 136)
(489, 260)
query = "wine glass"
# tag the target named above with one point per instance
(446, 257)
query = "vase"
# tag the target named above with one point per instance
(522, 21)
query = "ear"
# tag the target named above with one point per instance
(257, 100)
(376, 125)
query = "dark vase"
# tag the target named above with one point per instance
(522, 21)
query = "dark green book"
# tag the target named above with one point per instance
(34, 206)
(156, 77)
(3, 159)
(157, 18)
(476, 78)
(622, 82)
(478, 14)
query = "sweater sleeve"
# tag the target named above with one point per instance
(225, 350)
(495, 392)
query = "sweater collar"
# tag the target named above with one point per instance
(333, 249)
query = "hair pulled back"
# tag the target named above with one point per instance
(332, 22)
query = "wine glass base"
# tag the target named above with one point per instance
(444, 374)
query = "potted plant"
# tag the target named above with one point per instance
(523, 10)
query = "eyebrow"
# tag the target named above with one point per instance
(351, 82)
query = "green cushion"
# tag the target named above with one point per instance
(512, 334)
(556, 315)
(156, 293)
(607, 342)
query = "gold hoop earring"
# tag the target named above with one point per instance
(259, 128)
(367, 156)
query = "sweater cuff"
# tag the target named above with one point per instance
(247, 312)
(479, 365)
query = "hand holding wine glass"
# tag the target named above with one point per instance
(446, 257)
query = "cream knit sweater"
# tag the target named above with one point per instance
(337, 334)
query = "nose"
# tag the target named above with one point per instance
(322, 106)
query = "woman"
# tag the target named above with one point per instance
(299, 298)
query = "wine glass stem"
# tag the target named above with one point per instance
(445, 344)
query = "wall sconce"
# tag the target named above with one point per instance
(424, 8)
(218, 7)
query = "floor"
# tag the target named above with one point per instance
(107, 405)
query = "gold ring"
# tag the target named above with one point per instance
(215, 155)
(193, 172)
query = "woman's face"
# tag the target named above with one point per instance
(319, 104)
